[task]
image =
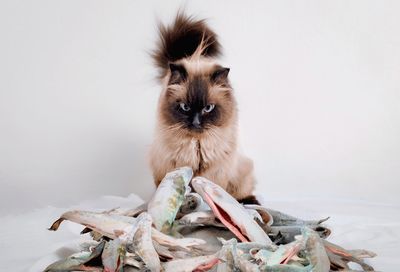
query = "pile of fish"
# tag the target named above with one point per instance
(195, 225)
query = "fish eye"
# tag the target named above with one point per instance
(208, 108)
(184, 107)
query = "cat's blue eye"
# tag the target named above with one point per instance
(184, 107)
(209, 108)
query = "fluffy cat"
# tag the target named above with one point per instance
(197, 111)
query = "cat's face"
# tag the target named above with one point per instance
(197, 101)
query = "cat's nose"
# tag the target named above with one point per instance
(196, 121)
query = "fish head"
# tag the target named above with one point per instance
(221, 203)
(211, 191)
(185, 172)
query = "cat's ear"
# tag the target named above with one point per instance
(220, 75)
(178, 73)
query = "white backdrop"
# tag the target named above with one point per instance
(317, 83)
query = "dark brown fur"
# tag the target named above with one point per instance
(181, 39)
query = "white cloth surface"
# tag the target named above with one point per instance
(27, 245)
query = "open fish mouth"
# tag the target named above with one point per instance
(225, 218)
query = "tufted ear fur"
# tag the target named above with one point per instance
(220, 75)
(178, 73)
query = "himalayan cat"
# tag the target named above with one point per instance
(197, 111)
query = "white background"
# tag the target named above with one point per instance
(317, 83)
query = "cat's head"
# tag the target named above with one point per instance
(197, 97)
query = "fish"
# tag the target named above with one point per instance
(118, 226)
(128, 268)
(245, 265)
(172, 242)
(337, 263)
(230, 212)
(228, 256)
(77, 261)
(200, 263)
(287, 234)
(263, 212)
(143, 245)
(316, 252)
(282, 255)
(113, 255)
(132, 260)
(135, 211)
(202, 218)
(211, 235)
(287, 268)
(193, 203)
(349, 256)
(168, 198)
(248, 247)
(283, 219)
(361, 253)
(110, 225)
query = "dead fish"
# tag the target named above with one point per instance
(316, 251)
(232, 214)
(361, 253)
(166, 201)
(118, 226)
(245, 265)
(263, 212)
(282, 255)
(283, 219)
(235, 256)
(287, 268)
(171, 242)
(212, 237)
(202, 218)
(286, 234)
(112, 256)
(128, 268)
(132, 260)
(136, 211)
(143, 244)
(248, 247)
(110, 225)
(337, 263)
(228, 256)
(191, 264)
(76, 262)
(348, 256)
(193, 203)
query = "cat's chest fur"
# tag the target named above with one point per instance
(200, 154)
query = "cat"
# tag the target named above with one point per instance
(197, 110)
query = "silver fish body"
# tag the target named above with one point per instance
(202, 218)
(287, 234)
(112, 256)
(77, 261)
(189, 264)
(283, 219)
(110, 225)
(193, 203)
(143, 245)
(118, 226)
(168, 198)
(317, 255)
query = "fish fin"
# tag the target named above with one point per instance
(86, 230)
(56, 224)
(323, 220)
